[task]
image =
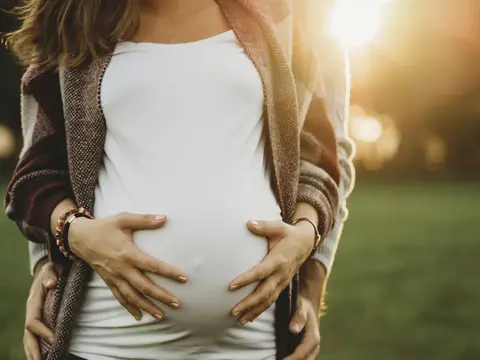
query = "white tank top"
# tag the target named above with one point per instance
(185, 140)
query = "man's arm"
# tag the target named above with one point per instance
(334, 62)
(336, 76)
(333, 98)
(40, 180)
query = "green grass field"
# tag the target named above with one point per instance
(405, 284)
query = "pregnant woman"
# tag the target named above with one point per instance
(181, 150)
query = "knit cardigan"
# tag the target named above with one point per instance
(64, 132)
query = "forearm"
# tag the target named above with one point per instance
(38, 266)
(38, 184)
(336, 76)
(313, 279)
(41, 179)
(304, 210)
(312, 272)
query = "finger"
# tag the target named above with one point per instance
(49, 276)
(140, 222)
(138, 300)
(33, 318)
(134, 311)
(146, 287)
(267, 228)
(299, 319)
(152, 265)
(49, 283)
(257, 273)
(31, 347)
(314, 353)
(26, 350)
(252, 314)
(37, 328)
(263, 297)
(309, 344)
(303, 350)
(255, 312)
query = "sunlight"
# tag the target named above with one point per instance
(366, 129)
(356, 22)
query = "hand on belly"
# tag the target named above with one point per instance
(211, 255)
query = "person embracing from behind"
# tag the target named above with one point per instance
(181, 170)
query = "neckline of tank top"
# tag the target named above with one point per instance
(224, 36)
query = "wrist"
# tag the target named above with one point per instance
(307, 232)
(75, 231)
(66, 215)
(60, 209)
(306, 219)
(313, 280)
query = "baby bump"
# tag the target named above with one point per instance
(212, 249)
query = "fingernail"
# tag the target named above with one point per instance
(295, 328)
(159, 217)
(175, 305)
(158, 317)
(237, 313)
(138, 316)
(48, 283)
(255, 223)
(243, 322)
(182, 279)
(234, 287)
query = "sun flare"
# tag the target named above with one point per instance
(357, 22)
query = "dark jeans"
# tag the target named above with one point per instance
(73, 357)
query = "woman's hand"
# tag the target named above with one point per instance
(107, 245)
(45, 278)
(289, 247)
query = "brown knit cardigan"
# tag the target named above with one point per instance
(64, 132)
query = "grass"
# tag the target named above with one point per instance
(404, 286)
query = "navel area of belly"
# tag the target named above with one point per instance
(212, 258)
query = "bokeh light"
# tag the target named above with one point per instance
(366, 129)
(377, 138)
(7, 142)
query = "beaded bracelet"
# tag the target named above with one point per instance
(63, 224)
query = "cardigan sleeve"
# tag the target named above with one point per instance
(336, 78)
(326, 148)
(40, 180)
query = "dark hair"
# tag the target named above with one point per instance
(70, 32)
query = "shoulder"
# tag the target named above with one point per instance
(36, 75)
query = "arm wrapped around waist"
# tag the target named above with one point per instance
(40, 180)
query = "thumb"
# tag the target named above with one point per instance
(50, 276)
(140, 222)
(267, 228)
(299, 319)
